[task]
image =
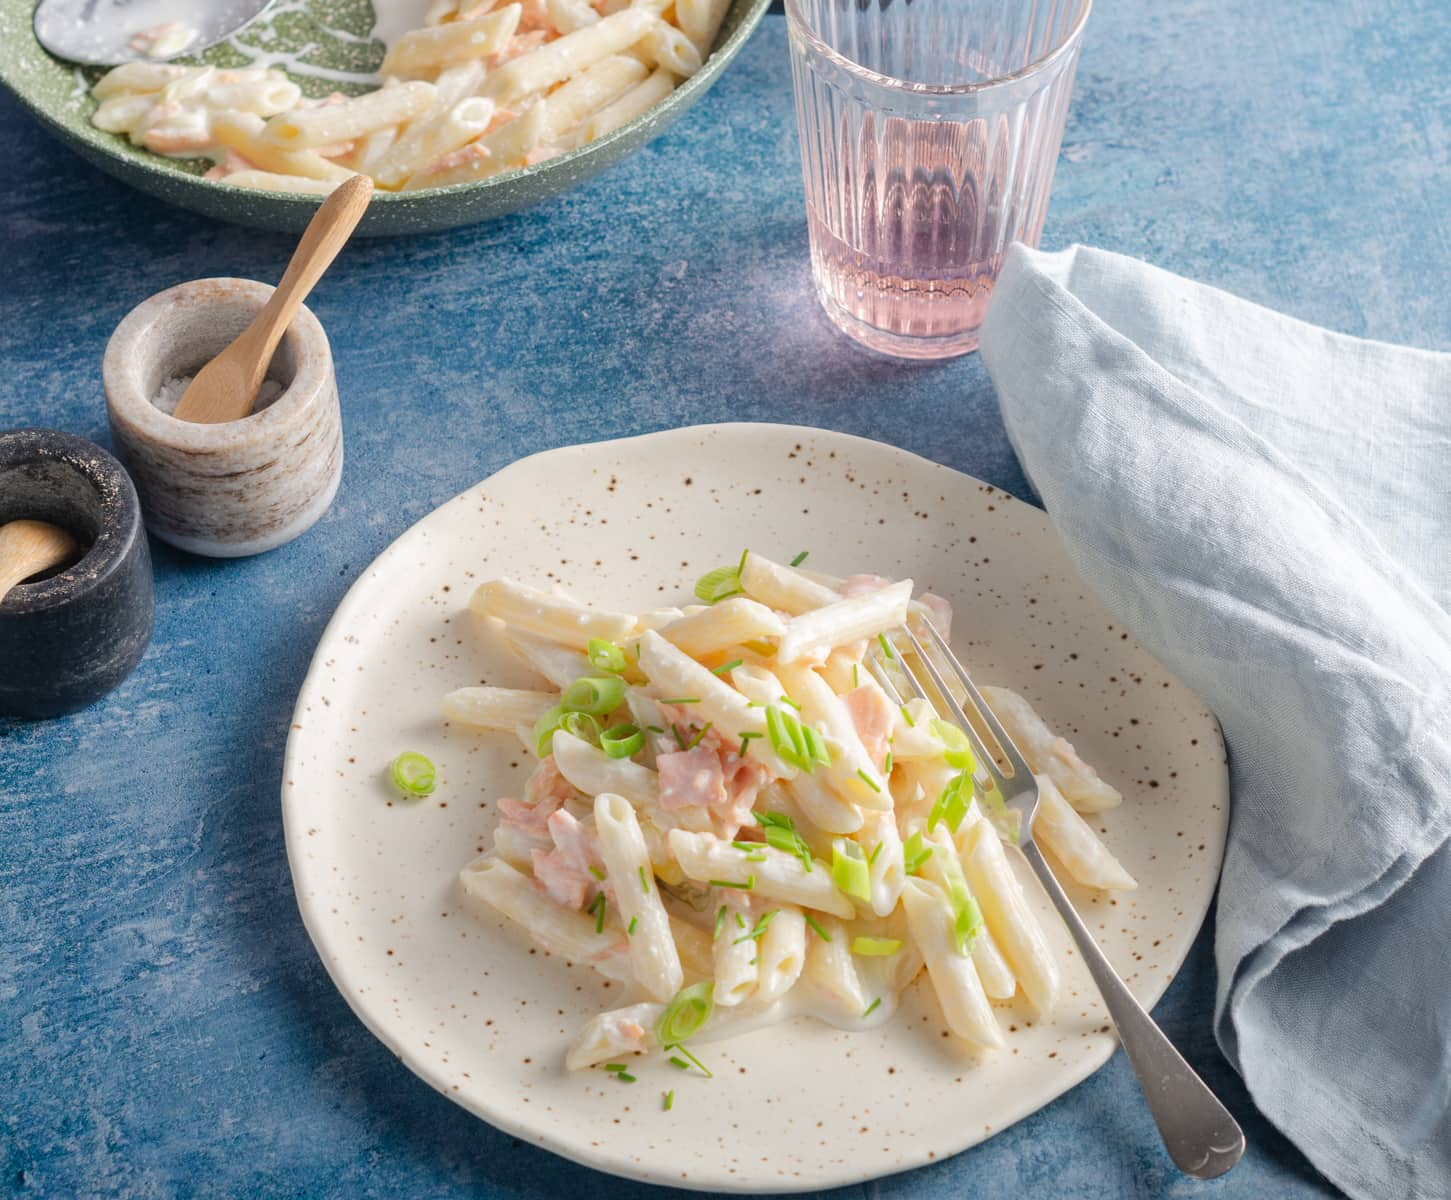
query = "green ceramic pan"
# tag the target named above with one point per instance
(333, 35)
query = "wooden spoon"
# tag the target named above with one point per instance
(29, 547)
(226, 388)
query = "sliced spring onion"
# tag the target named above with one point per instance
(594, 694)
(795, 744)
(781, 835)
(915, 852)
(966, 916)
(413, 774)
(849, 869)
(876, 852)
(605, 656)
(957, 749)
(816, 927)
(686, 1014)
(800, 558)
(871, 1008)
(875, 947)
(622, 741)
(730, 666)
(582, 726)
(719, 584)
(951, 805)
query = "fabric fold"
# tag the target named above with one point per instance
(1265, 505)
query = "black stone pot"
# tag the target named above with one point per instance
(68, 639)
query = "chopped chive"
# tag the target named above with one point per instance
(682, 700)
(856, 675)
(597, 873)
(756, 930)
(876, 850)
(874, 947)
(644, 883)
(887, 766)
(598, 906)
(654, 729)
(616, 1067)
(677, 1061)
(695, 1062)
(816, 928)
(669, 1101)
(791, 702)
(695, 741)
(679, 737)
(869, 781)
(886, 645)
(872, 1007)
(630, 928)
(740, 920)
(730, 666)
(741, 566)
(754, 961)
(800, 558)
(624, 1077)
(907, 716)
(756, 856)
(726, 883)
(719, 921)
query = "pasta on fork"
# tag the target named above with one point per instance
(482, 89)
(730, 814)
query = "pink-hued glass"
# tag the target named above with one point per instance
(929, 131)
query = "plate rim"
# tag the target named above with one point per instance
(500, 1117)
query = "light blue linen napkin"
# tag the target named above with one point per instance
(1267, 506)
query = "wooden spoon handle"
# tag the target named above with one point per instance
(326, 234)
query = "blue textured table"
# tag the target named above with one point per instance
(165, 1027)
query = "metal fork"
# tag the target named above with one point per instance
(1202, 1138)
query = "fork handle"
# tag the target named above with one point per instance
(1202, 1138)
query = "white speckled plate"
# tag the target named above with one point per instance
(485, 1019)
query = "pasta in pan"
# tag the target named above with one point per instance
(729, 813)
(482, 89)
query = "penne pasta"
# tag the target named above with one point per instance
(532, 611)
(560, 930)
(722, 626)
(503, 150)
(769, 872)
(701, 20)
(556, 61)
(496, 708)
(782, 952)
(427, 51)
(613, 1034)
(355, 118)
(812, 634)
(673, 675)
(242, 134)
(781, 587)
(960, 994)
(268, 181)
(736, 955)
(830, 971)
(1051, 755)
(1073, 843)
(882, 844)
(851, 772)
(429, 141)
(1012, 922)
(653, 956)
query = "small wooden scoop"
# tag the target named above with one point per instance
(29, 547)
(226, 388)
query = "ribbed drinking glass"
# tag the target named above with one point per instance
(929, 132)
